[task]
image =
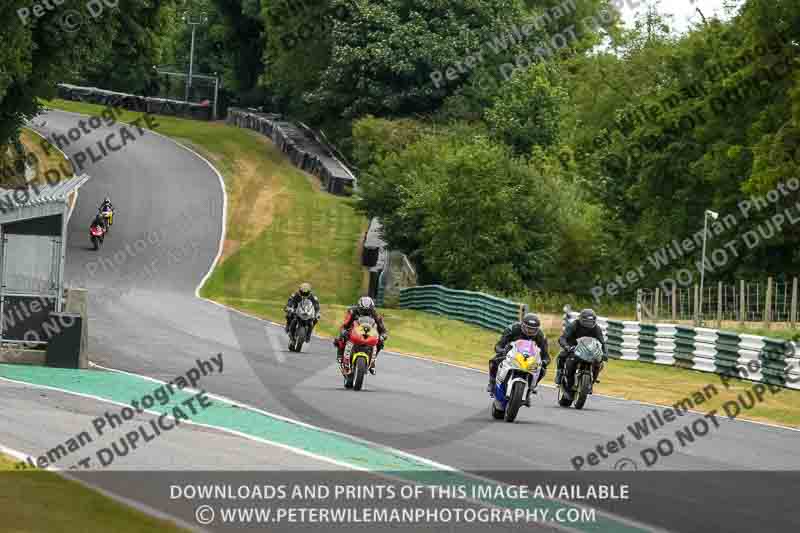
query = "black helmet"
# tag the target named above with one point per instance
(587, 318)
(530, 325)
(365, 304)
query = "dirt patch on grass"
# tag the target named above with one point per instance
(46, 159)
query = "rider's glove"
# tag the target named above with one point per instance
(384, 337)
(605, 357)
(319, 315)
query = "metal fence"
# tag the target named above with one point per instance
(467, 306)
(769, 300)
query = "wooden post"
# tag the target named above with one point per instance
(742, 302)
(793, 312)
(639, 317)
(656, 304)
(768, 304)
(696, 308)
(719, 305)
(674, 301)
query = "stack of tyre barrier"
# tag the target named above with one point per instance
(153, 106)
(304, 151)
(472, 307)
(761, 359)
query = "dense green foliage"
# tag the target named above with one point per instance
(634, 142)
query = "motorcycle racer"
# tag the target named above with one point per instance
(529, 328)
(585, 326)
(304, 291)
(364, 307)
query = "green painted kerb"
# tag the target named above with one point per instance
(125, 388)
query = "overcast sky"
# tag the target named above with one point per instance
(683, 11)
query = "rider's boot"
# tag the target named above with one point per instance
(491, 386)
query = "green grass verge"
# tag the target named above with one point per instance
(40, 501)
(282, 230)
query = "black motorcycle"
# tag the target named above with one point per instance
(302, 321)
(580, 360)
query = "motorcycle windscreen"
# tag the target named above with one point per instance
(526, 347)
(589, 349)
(306, 309)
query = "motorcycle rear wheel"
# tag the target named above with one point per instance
(497, 414)
(563, 401)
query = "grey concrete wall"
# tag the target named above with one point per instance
(76, 302)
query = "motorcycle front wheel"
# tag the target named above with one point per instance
(515, 402)
(584, 387)
(299, 338)
(359, 372)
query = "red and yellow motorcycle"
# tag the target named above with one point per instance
(359, 352)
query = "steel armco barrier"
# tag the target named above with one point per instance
(765, 360)
(467, 306)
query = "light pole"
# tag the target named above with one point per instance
(714, 215)
(191, 53)
(216, 94)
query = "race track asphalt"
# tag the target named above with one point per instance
(146, 319)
